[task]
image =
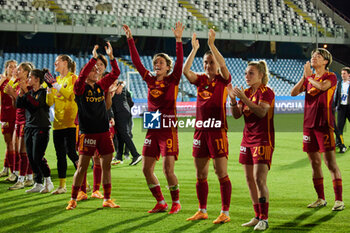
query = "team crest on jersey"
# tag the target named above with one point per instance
(89, 93)
(156, 93)
(98, 90)
(205, 94)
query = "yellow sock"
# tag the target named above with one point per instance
(62, 182)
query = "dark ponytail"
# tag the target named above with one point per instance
(39, 74)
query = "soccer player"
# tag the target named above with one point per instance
(342, 103)
(162, 94)
(210, 143)
(94, 124)
(37, 128)
(62, 96)
(318, 124)
(21, 159)
(257, 106)
(7, 117)
(101, 65)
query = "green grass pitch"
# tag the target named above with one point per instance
(289, 182)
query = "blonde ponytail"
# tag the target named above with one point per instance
(262, 68)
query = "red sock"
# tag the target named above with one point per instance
(97, 171)
(256, 210)
(16, 159)
(107, 188)
(264, 210)
(318, 185)
(338, 189)
(175, 194)
(225, 189)
(23, 164)
(10, 155)
(83, 185)
(157, 193)
(75, 191)
(202, 192)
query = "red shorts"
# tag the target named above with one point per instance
(89, 143)
(318, 140)
(255, 155)
(8, 127)
(19, 128)
(163, 142)
(212, 144)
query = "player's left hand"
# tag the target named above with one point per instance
(178, 30)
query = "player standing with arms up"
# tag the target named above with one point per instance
(162, 94)
(318, 124)
(210, 143)
(94, 124)
(257, 106)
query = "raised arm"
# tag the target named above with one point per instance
(135, 57)
(79, 85)
(110, 78)
(217, 55)
(189, 74)
(179, 50)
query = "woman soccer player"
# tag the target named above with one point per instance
(256, 105)
(37, 128)
(162, 94)
(211, 142)
(318, 124)
(62, 96)
(22, 162)
(94, 124)
(101, 65)
(7, 118)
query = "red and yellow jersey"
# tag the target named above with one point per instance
(318, 104)
(65, 106)
(211, 100)
(259, 131)
(162, 95)
(8, 111)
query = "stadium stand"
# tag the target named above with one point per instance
(266, 17)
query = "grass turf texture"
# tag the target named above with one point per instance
(289, 182)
